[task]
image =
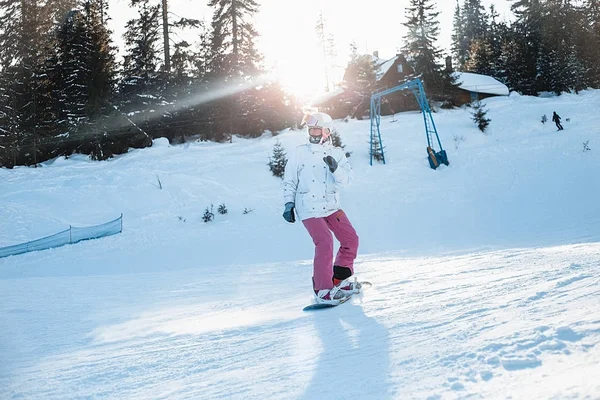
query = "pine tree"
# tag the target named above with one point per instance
(512, 50)
(470, 25)
(375, 149)
(561, 69)
(208, 215)
(360, 79)
(141, 81)
(274, 108)
(102, 60)
(497, 33)
(423, 30)
(522, 70)
(336, 141)
(24, 45)
(81, 75)
(233, 59)
(487, 53)
(72, 71)
(181, 71)
(353, 51)
(278, 161)
(479, 116)
(327, 43)
(11, 15)
(485, 42)
(475, 21)
(59, 68)
(588, 49)
(187, 81)
(460, 46)
(8, 124)
(481, 59)
(234, 54)
(201, 58)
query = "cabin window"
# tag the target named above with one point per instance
(400, 68)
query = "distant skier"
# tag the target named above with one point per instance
(313, 174)
(556, 119)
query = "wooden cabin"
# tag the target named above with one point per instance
(391, 72)
(342, 102)
(473, 87)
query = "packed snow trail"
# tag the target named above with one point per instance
(521, 323)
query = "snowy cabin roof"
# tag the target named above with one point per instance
(480, 84)
(382, 67)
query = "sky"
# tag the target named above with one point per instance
(485, 272)
(287, 32)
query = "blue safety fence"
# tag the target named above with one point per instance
(69, 236)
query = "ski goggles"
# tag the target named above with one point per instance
(310, 120)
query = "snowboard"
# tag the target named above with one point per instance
(320, 306)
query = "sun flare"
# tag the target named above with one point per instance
(303, 80)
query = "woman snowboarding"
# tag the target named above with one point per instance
(313, 174)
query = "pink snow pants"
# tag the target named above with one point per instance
(319, 230)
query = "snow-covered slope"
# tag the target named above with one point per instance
(485, 272)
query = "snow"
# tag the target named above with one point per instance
(485, 273)
(481, 84)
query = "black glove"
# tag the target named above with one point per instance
(331, 163)
(288, 214)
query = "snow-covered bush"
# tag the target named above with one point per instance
(208, 214)
(479, 116)
(278, 161)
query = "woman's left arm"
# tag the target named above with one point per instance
(343, 174)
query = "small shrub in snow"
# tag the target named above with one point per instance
(100, 152)
(336, 141)
(159, 184)
(375, 145)
(458, 140)
(544, 119)
(181, 219)
(586, 146)
(479, 116)
(208, 214)
(248, 210)
(278, 161)
(222, 209)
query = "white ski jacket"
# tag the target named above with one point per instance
(309, 184)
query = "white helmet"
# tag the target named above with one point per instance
(318, 120)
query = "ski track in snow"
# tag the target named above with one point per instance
(441, 328)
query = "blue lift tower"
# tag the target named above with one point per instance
(416, 86)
